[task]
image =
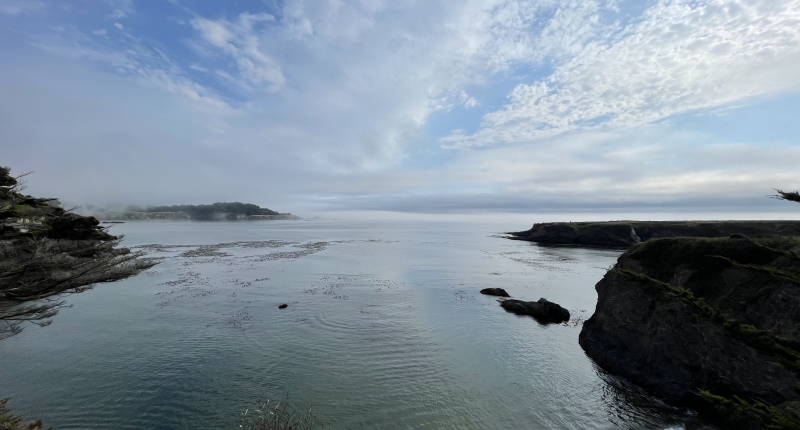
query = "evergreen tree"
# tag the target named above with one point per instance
(785, 195)
(47, 252)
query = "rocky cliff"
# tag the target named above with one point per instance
(709, 323)
(626, 233)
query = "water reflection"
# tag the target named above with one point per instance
(384, 329)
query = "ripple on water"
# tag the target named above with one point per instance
(379, 334)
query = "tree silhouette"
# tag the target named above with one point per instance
(793, 196)
(46, 252)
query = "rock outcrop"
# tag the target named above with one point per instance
(709, 323)
(543, 311)
(499, 292)
(623, 234)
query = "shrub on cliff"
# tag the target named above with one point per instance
(13, 422)
(46, 252)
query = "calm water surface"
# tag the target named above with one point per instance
(385, 329)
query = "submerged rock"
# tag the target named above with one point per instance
(708, 323)
(544, 311)
(283, 306)
(495, 292)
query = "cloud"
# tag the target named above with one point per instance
(101, 32)
(239, 40)
(336, 104)
(334, 22)
(655, 168)
(122, 8)
(681, 56)
(21, 7)
(145, 66)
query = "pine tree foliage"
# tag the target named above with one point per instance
(792, 196)
(47, 252)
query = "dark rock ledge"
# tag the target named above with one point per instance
(499, 292)
(543, 311)
(712, 324)
(623, 234)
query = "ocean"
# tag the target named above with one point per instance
(384, 329)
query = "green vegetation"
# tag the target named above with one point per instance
(660, 257)
(215, 210)
(769, 270)
(785, 351)
(792, 196)
(277, 416)
(40, 218)
(46, 251)
(13, 422)
(786, 253)
(737, 412)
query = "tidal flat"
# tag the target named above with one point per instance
(385, 328)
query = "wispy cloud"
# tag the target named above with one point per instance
(121, 8)
(335, 104)
(683, 55)
(149, 67)
(239, 40)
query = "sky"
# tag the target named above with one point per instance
(426, 107)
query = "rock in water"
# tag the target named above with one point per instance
(544, 311)
(495, 292)
(704, 323)
(283, 306)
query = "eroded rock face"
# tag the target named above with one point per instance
(684, 315)
(495, 292)
(543, 311)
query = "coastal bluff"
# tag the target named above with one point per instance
(623, 234)
(709, 323)
(220, 211)
(140, 215)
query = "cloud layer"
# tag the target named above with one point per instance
(370, 104)
(681, 56)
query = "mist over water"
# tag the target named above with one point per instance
(384, 328)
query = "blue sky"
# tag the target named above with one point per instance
(436, 106)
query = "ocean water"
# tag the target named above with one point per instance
(384, 329)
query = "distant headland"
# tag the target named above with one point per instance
(213, 212)
(623, 234)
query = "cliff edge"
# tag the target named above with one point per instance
(623, 234)
(711, 323)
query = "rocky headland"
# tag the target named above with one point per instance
(142, 215)
(623, 234)
(234, 211)
(710, 323)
